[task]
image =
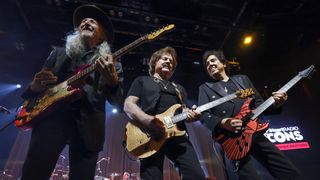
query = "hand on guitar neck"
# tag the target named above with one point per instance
(279, 98)
(192, 114)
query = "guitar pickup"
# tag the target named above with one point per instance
(168, 122)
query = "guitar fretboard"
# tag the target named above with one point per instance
(182, 116)
(115, 56)
(260, 109)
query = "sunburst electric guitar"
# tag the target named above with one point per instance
(141, 144)
(237, 145)
(62, 93)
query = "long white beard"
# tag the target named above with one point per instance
(75, 46)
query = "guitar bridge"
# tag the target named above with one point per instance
(168, 122)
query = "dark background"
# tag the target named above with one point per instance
(286, 41)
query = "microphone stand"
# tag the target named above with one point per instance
(5, 111)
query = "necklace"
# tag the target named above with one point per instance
(165, 85)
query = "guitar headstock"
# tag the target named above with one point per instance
(244, 93)
(307, 73)
(153, 35)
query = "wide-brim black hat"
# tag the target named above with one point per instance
(92, 11)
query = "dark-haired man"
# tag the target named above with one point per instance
(222, 117)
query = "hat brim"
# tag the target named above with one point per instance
(92, 11)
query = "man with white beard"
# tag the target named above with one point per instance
(80, 124)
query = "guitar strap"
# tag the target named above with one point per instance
(178, 92)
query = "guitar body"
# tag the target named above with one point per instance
(37, 108)
(53, 98)
(140, 144)
(236, 146)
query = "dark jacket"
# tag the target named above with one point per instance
(89, 111)
(210, 91)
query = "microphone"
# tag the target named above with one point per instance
(4, 110)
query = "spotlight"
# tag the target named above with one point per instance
(18, 86)
(114, 110)
(247, 40)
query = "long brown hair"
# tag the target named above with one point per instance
(157, 55)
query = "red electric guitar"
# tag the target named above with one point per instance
(237, 145)
(62, 93)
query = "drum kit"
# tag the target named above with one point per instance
(61, 171)
(119, 176)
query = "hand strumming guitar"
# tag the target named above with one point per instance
(231, 124)
(42, 80)
(156, 128)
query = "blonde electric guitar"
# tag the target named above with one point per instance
(37, 108)
(141, 144)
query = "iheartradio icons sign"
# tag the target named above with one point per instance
(287, 138)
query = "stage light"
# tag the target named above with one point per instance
(120, 14)
(196, 27)
(204, 28)
(114, 110)
(147, 18)
(6, 89)
(112, 12)
(156, 20)
(247, 40)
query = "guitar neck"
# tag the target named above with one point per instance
(260, 109)
(115, 56)
(129, 47)
(182, 116)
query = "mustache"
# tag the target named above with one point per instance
(87, 27)
(166, 65)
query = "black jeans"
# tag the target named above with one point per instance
(180, 151)
(266, 153)
(48, 139)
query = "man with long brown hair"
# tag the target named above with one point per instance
(152, 95)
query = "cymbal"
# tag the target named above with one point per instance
(115, 174)
(100, 178)
(135, 174)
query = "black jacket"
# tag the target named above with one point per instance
(210, 91)
(89, 111)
